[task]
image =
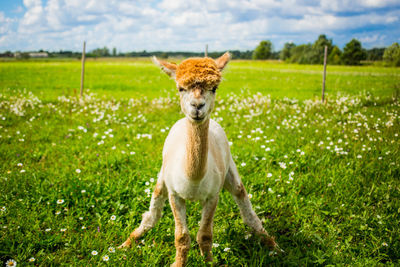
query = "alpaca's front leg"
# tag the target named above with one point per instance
(151, 217)
(205, 233)
(182, 237)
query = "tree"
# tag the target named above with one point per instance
(392, 55)
(301, 54)
(263, 50)
(286, 51)
(114, 52)
(353, 53)
(334, 56)
(317, 56)
(101, 52)
(375, 54)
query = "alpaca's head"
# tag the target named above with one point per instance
(197, 80)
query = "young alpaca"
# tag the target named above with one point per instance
(197, 161)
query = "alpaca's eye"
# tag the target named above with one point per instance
(214, 89)
(181, 89)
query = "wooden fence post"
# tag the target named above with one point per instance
(323, 81)
(83, 67)
(206, 52)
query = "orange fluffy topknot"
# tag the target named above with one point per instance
(198, 72)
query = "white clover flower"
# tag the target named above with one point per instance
(270, 190)
(359, 156)
(78, 171)
(269, 175)
(105, 258)
(11, 262)
(151, 180)
(215, 245)
(3, 208)
(243, 164)
(227, 249)
(282, 165)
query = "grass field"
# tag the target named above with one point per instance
(140, 78)
(75, 176)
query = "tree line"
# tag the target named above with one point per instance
(353, 53)
(312, 53)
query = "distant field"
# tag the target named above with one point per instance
(76, 176)
(140, 78)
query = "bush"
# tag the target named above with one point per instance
(263, 50)
(392, 55)
(353, 53)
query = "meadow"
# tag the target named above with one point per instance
(77, 174)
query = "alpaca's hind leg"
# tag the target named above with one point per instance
(151, 217)
(235, 186)
(205, 233)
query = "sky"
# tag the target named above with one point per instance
(188, 25)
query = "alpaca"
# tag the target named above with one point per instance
(197, 162)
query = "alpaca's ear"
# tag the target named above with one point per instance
(223, 60)
(167, 67)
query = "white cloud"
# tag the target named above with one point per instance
(5, 23)
(188, 25)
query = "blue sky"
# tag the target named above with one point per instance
(185, 25)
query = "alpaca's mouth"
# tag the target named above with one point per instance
(197, 118)
(197, 115)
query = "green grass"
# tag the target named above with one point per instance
(141, 78)
(323, 178)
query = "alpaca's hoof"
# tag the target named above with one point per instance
(269, 241)
(126, 244)
(276, 251)
(177, 264)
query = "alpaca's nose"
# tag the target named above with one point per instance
(198, 104)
